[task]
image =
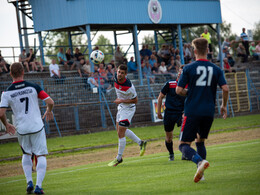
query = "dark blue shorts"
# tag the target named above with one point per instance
(195, 124)
(169, 121)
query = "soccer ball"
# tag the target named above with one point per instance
(97, 56)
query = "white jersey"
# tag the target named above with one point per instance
(125, 91)
(22, 97)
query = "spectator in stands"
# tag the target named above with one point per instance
(70, 57)
(119, 58)
(187, 53)
(102, 71)
(163, 68)
(3, 64)
(55, 72)
(241, 52)
(172, 67)
(252, 51)
(23, 60)
(177, 51)
(231, 61)
(164, 53)
(62, 58)
(178, 62)
(257, 48)
(152, 60)
(81, 71)
(227, 67)
(172, 52)
(148, 52)
(77, 57)
(206, 35)
(112, 62)
(155, 69)
(132, 66)
(227, 43)
(87, 67)
(245, 41)
(33, 62)
(103, 85)
(142, 52)
(147, 72)
(110, 74)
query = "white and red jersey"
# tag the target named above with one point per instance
(22, 97)
(125, 91)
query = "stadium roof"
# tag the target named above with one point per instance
(63, 15)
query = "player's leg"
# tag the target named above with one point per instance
(39, 148)
(169, 122)
(25, 144)
(200, 145)
(169, 144)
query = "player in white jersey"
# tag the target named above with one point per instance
(22, 97)
(126, 100)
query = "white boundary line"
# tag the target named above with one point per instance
(133, 161)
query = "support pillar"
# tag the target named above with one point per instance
(219, 46)
(180, 44)
(89, 46)
(137, 54)
(70, 42)
(19, 27)
(41, 47)
(156, 41)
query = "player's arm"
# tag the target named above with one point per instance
(48, 113)
(128, 101)
(9, 127)
(159, 105)
(223, 108)
(181, 91)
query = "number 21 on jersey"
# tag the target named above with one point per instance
(204, 72)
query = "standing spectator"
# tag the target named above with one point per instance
(252, 51)
(173, 113)
(23, 60)
(202, 77)
(62, 58)
(206, 35)
(28, 123)
(142, 52)
(241, 52)
(55, 72)
(119, 58)
(245, 41)
(126, 101)
(132, 66)
(148, 52)
(33, 62)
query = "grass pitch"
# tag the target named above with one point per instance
(234, 169)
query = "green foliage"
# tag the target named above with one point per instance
(110, 137)
(234, 169)
(106, 47)
(256, 31)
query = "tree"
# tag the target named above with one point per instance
(256, 31)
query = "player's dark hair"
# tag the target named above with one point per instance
(16, 69)
(201, 45)
(123, 67)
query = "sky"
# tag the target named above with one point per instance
(239, 13)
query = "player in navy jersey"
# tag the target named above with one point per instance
(173, 113)
(22, 97)
(202, 78)
(126, 101)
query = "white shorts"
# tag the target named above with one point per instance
(34, 143)
(125, 115)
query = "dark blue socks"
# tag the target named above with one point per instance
(190, 153)
(201, 150)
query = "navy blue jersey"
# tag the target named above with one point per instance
(202, 78)
(174, 103)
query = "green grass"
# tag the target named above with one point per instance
(234, 169)
(110, 137)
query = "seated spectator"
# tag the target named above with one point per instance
(227, 67)
(164, 53)
(94, 80)
(3, 64)
(87, 67)
(102, 71)
(142, 52)
(178, 62)
(252, 51)
(257, 48)
(155, 69)
(172, 52)
(231, 61)
(32, 61)
(152, 59)
(119, 58)
(55, 72)
(110, 74)
(80, 69)
(177, 51)
(70, 57)
(163, 68)
(23, 60)
(62, 58)
(112, 62)
(132, 66)
(147, 72)
(148, 52)
(187, 53)
(172, 67)
(77, 57)
(241, 52)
